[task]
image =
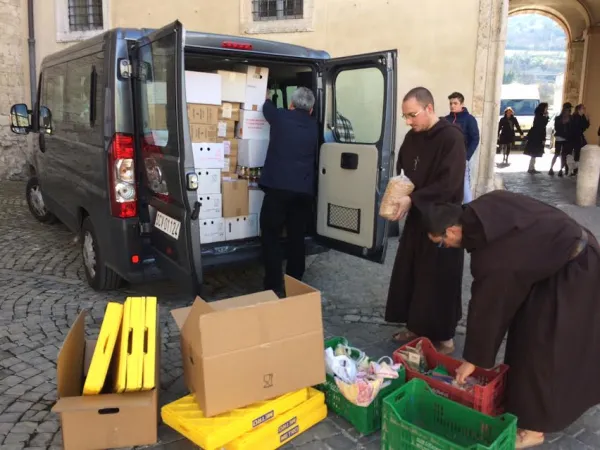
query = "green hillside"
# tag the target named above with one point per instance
(535, 32)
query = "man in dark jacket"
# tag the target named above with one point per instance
(459, 115)
(288, 180)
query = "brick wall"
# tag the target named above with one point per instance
(13, 58)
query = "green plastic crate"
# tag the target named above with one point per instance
(416, 418)
(366, 420)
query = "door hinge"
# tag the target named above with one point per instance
(125, 69)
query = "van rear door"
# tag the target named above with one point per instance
(357, 158)
(168, 182)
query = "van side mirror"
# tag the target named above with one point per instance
(19, 119)
(45, 122)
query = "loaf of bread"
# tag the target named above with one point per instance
(398, 187)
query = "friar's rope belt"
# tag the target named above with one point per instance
(582, 243)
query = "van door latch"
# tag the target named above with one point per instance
(196, 211)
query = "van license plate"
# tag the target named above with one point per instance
(167, 225)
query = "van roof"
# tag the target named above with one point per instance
(196, 39)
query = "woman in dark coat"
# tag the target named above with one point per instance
(563, 137)
(535, 276)
(579, 125)
(536, 137)
(506, 133)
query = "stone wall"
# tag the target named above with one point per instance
(574, 71)
(13, 60)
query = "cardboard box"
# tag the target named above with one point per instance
(233, 86)
(271, 346)
(106, 420)
(228, 176)
(157, 117)
(253, 125)
(226, 129)
(255, 201)
(256, 88)
(209, 181)
(203, 88)
(212, 230)
(241, 227)
(203, 114)
(208, 155)
(211, 206)
(230, 146)
(235, 198)
(252, 152)
(231, 163)
(230, 111)
(203, 133)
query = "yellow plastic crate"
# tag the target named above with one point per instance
(149, 359)
(135, 359)
(120, 374)
(285, 427)
(211, 433)
(105, 346)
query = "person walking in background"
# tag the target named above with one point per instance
(579, 125)
(506, 133)
(563, 140)
(459, 115)
(536, 137)
(425, 290)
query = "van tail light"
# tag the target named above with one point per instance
(236, 45)
(121, 169)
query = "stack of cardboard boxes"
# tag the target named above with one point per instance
(229, 137)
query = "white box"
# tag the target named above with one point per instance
(209, 181)
(255, 201)
(233, 86)
(212, 230)
(243, 227)
(253, 125)
(202, 87)
(211, 206)
(208, 155)
(256, 88)
(252, 152)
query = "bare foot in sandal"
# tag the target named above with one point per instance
(528, 439)
(404, 335)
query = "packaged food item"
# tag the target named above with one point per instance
(398, 187)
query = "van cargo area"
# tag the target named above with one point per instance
(229, 137)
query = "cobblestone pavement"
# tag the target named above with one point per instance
(42, 289)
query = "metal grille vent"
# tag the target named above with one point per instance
(343, 218)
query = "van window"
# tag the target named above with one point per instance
(84, 106)
(52, 97)
(359, 100)
(521, 107)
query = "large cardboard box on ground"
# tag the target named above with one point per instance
(253, 125)
(235, 198)
(100, 421)
(252, 348)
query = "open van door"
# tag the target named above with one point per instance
(357, 159)
(168, 181)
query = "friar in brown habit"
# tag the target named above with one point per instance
(426, 286)
(536, 275)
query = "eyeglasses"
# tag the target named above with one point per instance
(411, 115)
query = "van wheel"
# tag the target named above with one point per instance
(99, 277)
(35, 201)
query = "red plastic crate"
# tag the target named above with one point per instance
(488, 399)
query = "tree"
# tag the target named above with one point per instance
(509, 77)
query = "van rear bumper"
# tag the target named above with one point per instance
(237, 252)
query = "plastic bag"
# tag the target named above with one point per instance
(340, 366)
(362, 392)
(398, 187)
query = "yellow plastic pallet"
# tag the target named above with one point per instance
(285, 427)
(211, 433)
(105, 346)
(149, 361)
(135, 359)
(120, 379)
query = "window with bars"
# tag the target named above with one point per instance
(263, 10)
(85, 15)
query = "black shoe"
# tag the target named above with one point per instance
(560, 173)
(566, 170)
(551, 172)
